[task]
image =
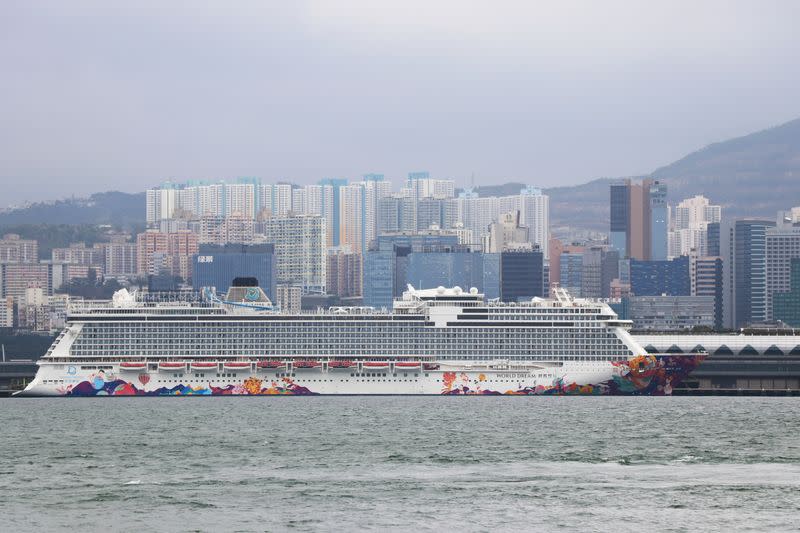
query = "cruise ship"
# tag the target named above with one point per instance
(442, 341)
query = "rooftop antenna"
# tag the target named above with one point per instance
(472, 181)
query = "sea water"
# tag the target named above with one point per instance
(400, 463)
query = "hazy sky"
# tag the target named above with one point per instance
(121, 95)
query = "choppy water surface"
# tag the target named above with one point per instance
(399, 463)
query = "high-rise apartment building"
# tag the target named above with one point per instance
(14, 249)
(237, 229)
(300, 246)
(119, 256)
(78, 253)
(344, 273)
(166, 253)
(328, 197)
(690, 226)
(421, 185)
(477, 213)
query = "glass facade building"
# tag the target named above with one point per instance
(750, 271)
(656, 278)
(786, 305)
(216, 266)
(521, 275)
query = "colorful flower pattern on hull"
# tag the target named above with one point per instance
(102, 385)
(646, 375)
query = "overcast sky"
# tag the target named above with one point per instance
(96, 96)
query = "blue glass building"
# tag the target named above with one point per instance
(571, 265)
(656, 278)
(217, 266)
(425, 261)
(658, 221)
(521, 275)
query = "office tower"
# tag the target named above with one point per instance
(658, 221)
(344, 275)
(620, 218)
(656, 278)
(713, 239)
(786, 304)
(218, 265)
(690, 227)
(638, 210)
(743, 247)
(452, 267)
(571, 269)
(599, 267)
(300, 247)
(521, 275)
(14, 249)
(707, 281)
(671, 313)
(386, 262)
(506, 233)
(782, 246)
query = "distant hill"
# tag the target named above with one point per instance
(114, 208)
(754, 175)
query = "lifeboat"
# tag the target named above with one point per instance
(197, 365)
(163, 365)
(430, 366)
(373, 365)
(235, 365)
(133, 365)
(307, 364)
(269, 364)
(407, 364)
(341, 364)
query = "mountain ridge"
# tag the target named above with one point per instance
(753, 175)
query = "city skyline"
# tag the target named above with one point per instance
(297, 95)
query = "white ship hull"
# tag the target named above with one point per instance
(652, 375)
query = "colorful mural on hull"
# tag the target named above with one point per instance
(102, 384)
(645, 375)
